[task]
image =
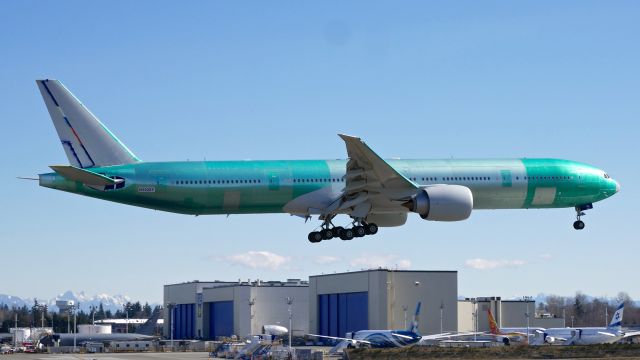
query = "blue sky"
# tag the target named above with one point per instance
(278, 80)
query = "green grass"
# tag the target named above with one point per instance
(503, 352)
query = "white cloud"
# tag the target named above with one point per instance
(368, 261)
(323, 259)
(487, 264)
(546, 257)
(259, 260)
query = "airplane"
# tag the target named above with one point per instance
(82, 339)
(388, 338)
(275, 330)
(143, 333)
(506, 335)
(587, 335)
(380, 338)
(372, 191)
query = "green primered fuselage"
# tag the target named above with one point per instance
(246, 187)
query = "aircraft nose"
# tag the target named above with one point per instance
(617, 186)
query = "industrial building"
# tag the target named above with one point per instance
(507, 313)
(335, 304)
(382, 299)
(211, 310)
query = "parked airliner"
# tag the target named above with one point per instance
(587, 335)
(373, 192)
(389, 338)
(506, 335)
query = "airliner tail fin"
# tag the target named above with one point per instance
(415, 322)
(616, 320)
(493, 325)
(86, 141)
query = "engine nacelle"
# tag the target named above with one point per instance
(549, 339)
(442, 203)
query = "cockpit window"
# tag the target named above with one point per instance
(606, 176)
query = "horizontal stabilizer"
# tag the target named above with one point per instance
(86, 177)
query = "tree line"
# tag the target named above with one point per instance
(582, 310)
(39, 314)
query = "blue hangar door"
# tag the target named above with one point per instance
(184, 321)
(339, 314)
(220, 319)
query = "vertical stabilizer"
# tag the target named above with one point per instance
(150, 326)
(86, 141)
(493, 325)
(616, 320)
(415, 323)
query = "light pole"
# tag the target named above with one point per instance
(93, 317)
(72, 308)
(290, 303)
(15, 332)
(528, 299)
(474, 314)
(252, 302)
(40, 308)
(170, 306)
(441, 314)
(404, 309)
(126, 310)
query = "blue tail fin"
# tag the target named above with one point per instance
(414, 323)
(616, 320)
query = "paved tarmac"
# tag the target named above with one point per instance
(109, 356)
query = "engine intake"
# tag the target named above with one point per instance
(442, 203)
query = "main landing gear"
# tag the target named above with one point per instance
(579, 224)
(328, 232)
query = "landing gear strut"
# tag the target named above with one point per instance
(579, 224)
(360, 228)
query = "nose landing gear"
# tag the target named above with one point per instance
(579, 224)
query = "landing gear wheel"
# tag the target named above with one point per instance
(315, 237)
(371, 229)
(346, 234)
(358, 231)
(327, 234)
(337, 231)
(578, 224)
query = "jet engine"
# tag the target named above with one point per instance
(442, 203)
(549, 339)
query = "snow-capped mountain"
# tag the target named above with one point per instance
(11, 301)
(109, 302)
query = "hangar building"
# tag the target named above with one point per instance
(210, 310)
(382, 299)
(508, 313)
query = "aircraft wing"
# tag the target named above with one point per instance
(448, 335)
(371, 183)
(606, 333)
(340, 338)
(518, 333)
(555, 337)
(631, 334)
